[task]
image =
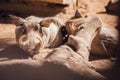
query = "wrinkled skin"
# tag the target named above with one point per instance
(34, 33)
(84, 33)
(104, 44)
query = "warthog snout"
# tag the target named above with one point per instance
(31, 44)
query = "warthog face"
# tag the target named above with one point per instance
(72, 26)
(33, 33)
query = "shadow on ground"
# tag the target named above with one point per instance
(13, 52)
(9, 50)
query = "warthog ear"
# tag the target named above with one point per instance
(46, 22)
(16, 20)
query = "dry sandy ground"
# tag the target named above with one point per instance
(8, 48)
(9, 51)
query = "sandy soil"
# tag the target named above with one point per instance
(8, 47)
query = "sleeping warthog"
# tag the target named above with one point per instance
(34, 33)
(105, 43)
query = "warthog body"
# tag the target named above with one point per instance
(105, 43)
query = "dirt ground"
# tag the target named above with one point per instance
(9, 50)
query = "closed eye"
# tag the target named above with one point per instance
(22, 29)
(36, 28)
(40, 31)
(80, 28)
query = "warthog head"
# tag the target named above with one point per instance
(34, 33)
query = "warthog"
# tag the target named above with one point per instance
(34, 33)
(105, 43)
